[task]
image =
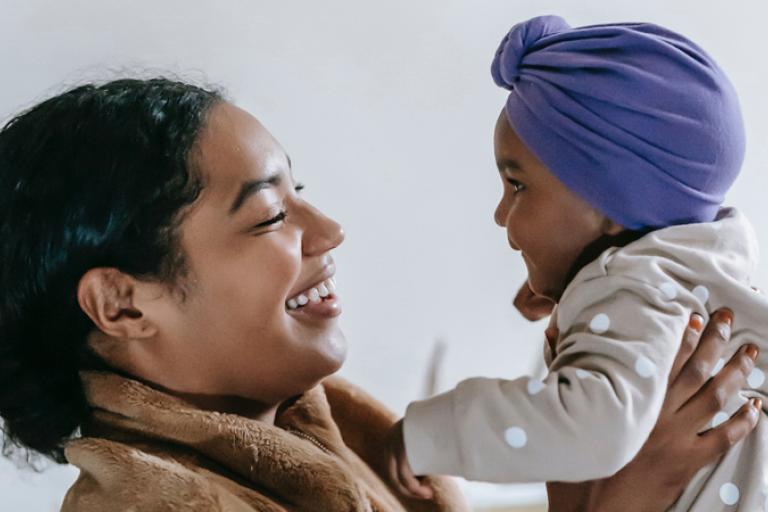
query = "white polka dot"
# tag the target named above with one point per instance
(534, 386)
(719, 419)
(718, 366)
(600, 323)
(582, 374)
(515, 437)
(756, 378)
(702, 293)
(668, 290)
(645, 367)
(729, 493)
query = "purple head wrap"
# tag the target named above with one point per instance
(634, 118)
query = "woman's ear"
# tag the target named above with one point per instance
(107, 296)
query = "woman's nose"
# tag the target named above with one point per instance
(321, 233)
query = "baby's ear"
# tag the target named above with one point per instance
(611, 228)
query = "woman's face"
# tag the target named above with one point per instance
(251, 245)
(544, 220)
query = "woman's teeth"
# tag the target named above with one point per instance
(313, 295)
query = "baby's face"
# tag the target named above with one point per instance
(550, 225)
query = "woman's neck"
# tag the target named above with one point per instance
(102, 348)
(247, 408)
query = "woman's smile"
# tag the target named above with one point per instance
(321, 308)
(315, 296)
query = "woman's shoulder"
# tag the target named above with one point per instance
(120, 477)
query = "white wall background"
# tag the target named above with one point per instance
(387, 110)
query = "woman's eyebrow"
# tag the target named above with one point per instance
(252, 187)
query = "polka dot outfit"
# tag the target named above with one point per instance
(620, 322)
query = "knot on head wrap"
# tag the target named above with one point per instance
(514, 46)
(636, 119)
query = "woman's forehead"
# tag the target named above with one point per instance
(235, 148)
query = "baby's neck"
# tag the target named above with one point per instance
(597, 247)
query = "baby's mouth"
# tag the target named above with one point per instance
(315, 294)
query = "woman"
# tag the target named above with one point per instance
(169, 293)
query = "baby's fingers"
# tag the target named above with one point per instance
(409, 484)
(717, 441)
(396, 479)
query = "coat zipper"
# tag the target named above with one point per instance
(324, 448)
(309, 438)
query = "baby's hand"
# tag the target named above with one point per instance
(400, 472)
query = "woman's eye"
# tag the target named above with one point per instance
(516, 185)
(274, 220)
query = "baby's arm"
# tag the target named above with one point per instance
(590, 415)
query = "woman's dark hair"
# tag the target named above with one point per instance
(95, 177)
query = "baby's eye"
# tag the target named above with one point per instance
(299, 187)
(516, 185)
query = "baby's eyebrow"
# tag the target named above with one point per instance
(507, 164)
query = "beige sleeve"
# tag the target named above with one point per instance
(589, 416)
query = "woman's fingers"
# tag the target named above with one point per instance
(713, 397)
(715, 442)
(688, 345)
(698, 368)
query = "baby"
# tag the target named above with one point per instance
(616, 147)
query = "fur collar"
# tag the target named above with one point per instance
(145, 446)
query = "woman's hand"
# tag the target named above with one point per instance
(676, 449)
(400, 472)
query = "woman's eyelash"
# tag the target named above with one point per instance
(274, 220)
(280, 216)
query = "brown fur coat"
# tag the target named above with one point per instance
(148, 451)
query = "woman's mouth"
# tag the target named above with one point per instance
(318, 300)
(315, 294)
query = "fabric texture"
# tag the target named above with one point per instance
(146, 451)
(620, 324)
(634, 118)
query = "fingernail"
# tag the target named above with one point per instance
(752, 352)
(696, 322)
(757, 403)
(726, 316)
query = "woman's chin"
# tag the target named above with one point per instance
(334, 352)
